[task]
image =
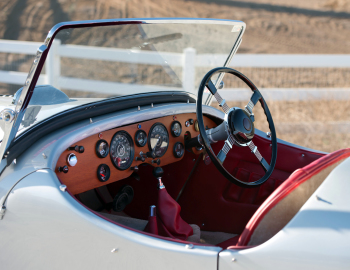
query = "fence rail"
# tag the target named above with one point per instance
(188, 60)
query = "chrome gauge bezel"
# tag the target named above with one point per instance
(172, 130)
(108, 172)
(182, 148)
(149, 137)
(98, 146)
(137, 142)
(132, 151)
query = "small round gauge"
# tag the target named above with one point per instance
(158, 139)
(102, 148)
(122, 150)
(140, 138)
(176, 128)
(103, 172)
(178, 150)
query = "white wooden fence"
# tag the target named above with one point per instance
(188, 61)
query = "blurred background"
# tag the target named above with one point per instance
(309, 98)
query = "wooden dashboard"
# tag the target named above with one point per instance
(83, 176)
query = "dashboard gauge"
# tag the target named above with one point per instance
(140, 138)
(196, 126)
(122, 150)
(102, 148)
(103, 172)
(176, 128)
(158, 139)
(178, 150)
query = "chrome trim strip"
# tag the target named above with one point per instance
(3, 203)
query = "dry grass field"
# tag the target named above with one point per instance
(273, 26)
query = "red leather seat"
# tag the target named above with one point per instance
(284, 203)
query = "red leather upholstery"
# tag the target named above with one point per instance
(209, 200)
(215, 204)
(297, 178)
(152, 225)
(168, 212)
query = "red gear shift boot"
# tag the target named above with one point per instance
(168, 211)
(152, 225)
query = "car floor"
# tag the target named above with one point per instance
(204, 237)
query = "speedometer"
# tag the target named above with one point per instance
(158, 139)
(122, 150)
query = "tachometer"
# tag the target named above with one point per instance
(122, 150)
(158, 139)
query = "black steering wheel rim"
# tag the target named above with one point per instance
(206, 141)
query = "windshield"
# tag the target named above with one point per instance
(88, 64)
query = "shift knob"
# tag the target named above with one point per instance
(158, 172)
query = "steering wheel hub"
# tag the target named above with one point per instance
(242, 127)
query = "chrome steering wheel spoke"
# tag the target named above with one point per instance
(256, 152)
(226, 148)
(252, 102)
(219, 99)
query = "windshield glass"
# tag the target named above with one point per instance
(88, 64)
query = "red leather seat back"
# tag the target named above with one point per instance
(283, 204)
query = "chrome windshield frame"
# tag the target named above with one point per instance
(12, 125)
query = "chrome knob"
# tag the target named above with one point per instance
(72, 160)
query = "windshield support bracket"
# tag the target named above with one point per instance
(13, 118)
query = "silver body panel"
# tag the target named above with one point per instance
(45, 228)
(317, 237)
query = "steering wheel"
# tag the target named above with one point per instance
(236, 129)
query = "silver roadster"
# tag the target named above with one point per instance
(127, 152)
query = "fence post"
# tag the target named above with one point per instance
(189, 70)
(53, 64)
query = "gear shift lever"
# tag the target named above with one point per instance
(168, 211)
(158, 173)
(152, 226)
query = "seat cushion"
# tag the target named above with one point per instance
(284, 203)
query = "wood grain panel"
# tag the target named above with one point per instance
(83, 176)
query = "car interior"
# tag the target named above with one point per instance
(201, 205)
